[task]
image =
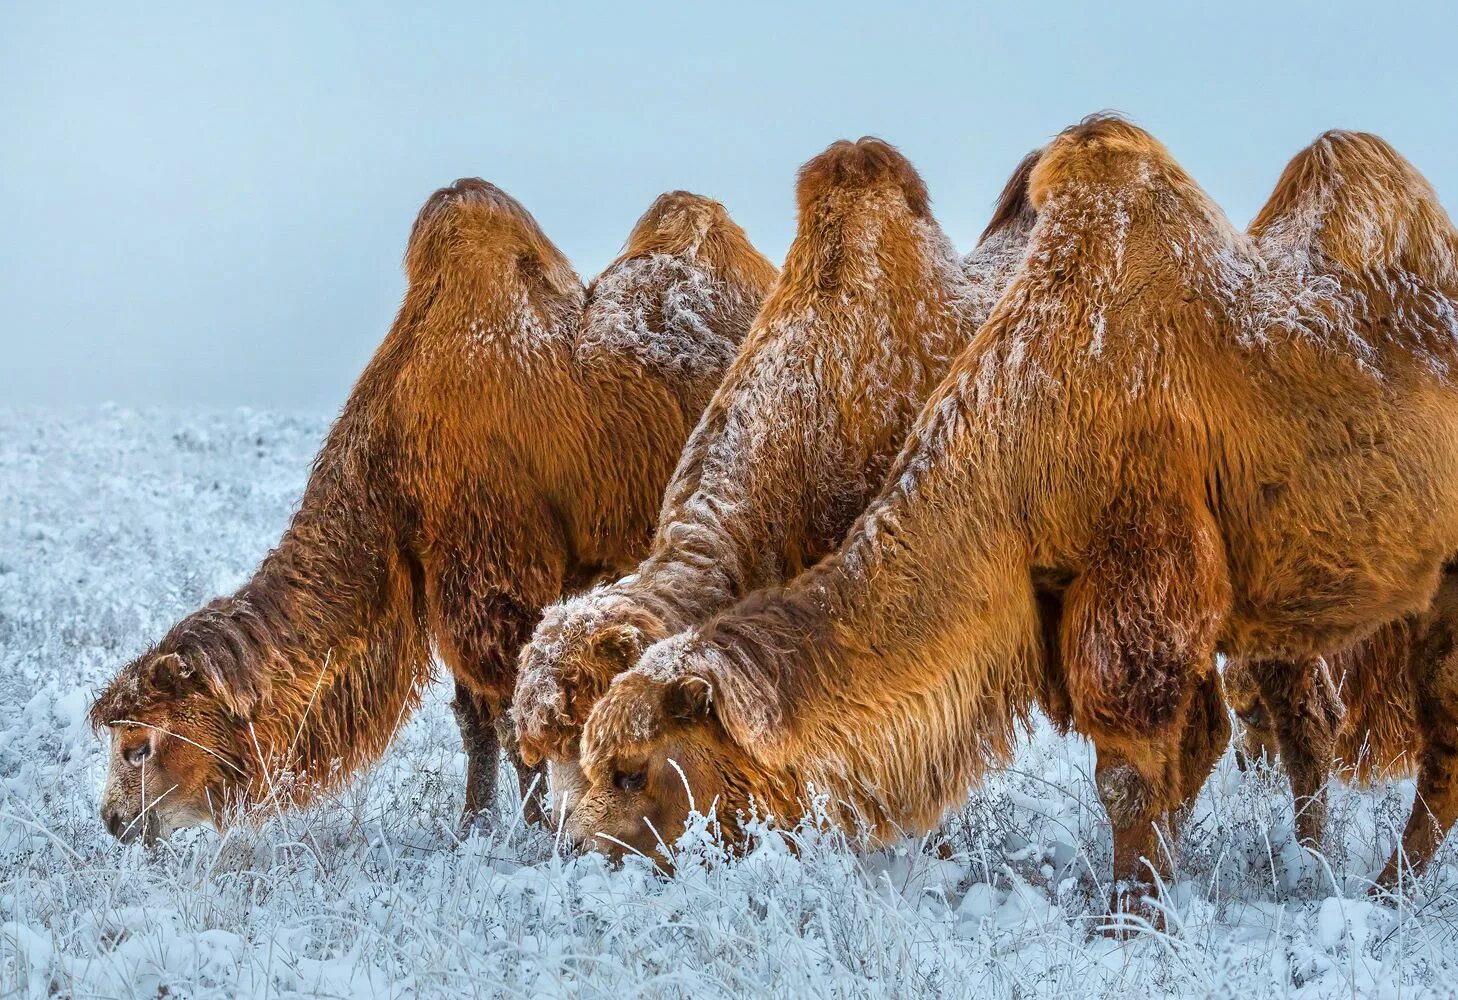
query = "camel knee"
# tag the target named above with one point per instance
(475, 716)
(1433, 813)
(1129, 796)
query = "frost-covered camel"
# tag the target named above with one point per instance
(509, 443)
(870, 309)
(1169, 439)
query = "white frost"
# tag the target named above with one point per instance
(114, 524)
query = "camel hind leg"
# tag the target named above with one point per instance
(1434, 810)
(1433, 668)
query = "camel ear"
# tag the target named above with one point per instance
(687, 699)
(172, 675)
(180, 678)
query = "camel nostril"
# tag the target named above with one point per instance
(113, 822)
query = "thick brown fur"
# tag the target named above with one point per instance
(870, 308)
(508, 443)
(1176, 438)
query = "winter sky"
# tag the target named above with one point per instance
(208, 208)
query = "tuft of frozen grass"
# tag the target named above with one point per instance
(115, 523)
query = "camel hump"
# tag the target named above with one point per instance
(1104, 149)
(472, 217)
(1356, 199)
(676, 223)
(1107, 130)
(865, 163)
(1014, 211)
(469, 198)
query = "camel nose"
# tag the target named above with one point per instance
(122, 828)
(114, 822)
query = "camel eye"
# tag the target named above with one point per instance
(138, 753)
(634, 782)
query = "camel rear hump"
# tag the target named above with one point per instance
(865, 163)
(699, 230)
(676, 223)
(1356, 199)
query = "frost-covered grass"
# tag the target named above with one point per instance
(113, 524)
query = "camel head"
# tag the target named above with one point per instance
(579, 647)
(652, 751)
(174, 761)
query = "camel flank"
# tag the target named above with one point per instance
(1169, 439)
(870, 308)
(507, 444)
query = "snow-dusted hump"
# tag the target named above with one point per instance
(680, 296)
(1354, 199)
(657, 308)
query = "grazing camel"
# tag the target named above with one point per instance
(507, 444)
(1169, 439)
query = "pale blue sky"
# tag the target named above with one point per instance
(209, 208)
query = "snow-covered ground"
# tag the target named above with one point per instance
(115, 523)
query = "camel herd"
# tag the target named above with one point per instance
(708, 532)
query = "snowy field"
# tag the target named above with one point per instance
(115, 523)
